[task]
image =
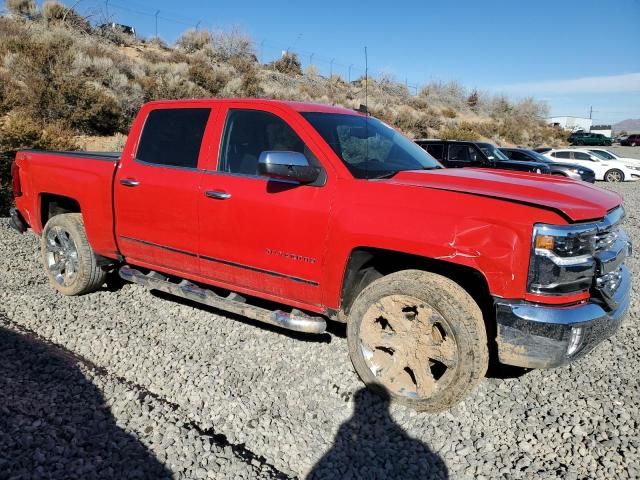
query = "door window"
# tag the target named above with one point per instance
(463, 153)
(562, 155)
(173, 136)
(582, 156)
(248, 133)
(435, 151)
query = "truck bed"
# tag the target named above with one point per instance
(85, 177)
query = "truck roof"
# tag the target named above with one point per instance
(297, 106)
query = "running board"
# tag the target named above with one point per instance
(234, 303)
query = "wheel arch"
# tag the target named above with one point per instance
(366, 264)
(52, 204)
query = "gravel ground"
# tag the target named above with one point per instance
(127, 384)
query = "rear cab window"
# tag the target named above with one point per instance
(172, 137)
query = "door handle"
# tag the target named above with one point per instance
(129, 182)
(217, 195)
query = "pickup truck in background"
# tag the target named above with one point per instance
(456, 153)
(335, 216)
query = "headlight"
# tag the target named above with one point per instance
(562, 259)
(633, 167)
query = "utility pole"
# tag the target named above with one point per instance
(350, 67)
(311, 59)
(591, 112)
(262, 51)
(331, 67)
(156, 15)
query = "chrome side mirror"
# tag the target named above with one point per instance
(285, 165)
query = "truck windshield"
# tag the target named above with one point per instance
(492, 152)
(539, 157)
(368, 147)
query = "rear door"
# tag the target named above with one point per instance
(156, 191)
(463, 155)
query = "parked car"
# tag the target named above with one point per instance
(632, 140)
(336, 216)
(117, 27)
(454, 153)
(604, 170)
(577, 172)
(632, 163)
(589, 139)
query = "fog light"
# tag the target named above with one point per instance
(575, 342)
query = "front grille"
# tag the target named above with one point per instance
(606, 237)
(612, 247)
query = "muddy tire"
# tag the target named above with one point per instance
(420, 337)
(69, 261)
(613, 176)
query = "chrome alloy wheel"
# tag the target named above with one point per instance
(614, 176)
(61, 256)
(408, 346)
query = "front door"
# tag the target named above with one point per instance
(156, 192)
(263, 235)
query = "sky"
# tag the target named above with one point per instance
(575, 55)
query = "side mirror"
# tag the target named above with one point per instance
(287, 166)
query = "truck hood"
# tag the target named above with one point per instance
(578, 201)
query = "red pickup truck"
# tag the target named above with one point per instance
(334, 215)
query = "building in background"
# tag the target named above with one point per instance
(572, 124)
(605, 130)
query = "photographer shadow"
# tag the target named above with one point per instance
(371, 445)
(55, 423)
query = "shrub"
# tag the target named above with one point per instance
(472, 100)
(226, 45)
(55, 12)
(24, 8)
(288, 64)
(464, 131)
(251, 84)
(21, 131)
(193, 40)
(210, 79)
(449, 112)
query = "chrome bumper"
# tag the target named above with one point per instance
(536, 336)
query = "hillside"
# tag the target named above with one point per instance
(630, 125)
(67, 85)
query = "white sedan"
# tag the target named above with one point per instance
(609, 155)
(607, 170)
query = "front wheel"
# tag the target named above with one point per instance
(69, 261)
(614, 175)
(420, 337)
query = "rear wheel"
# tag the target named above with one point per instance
(634, 144)
(420, 337)
(71, 265)
(614, 175)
